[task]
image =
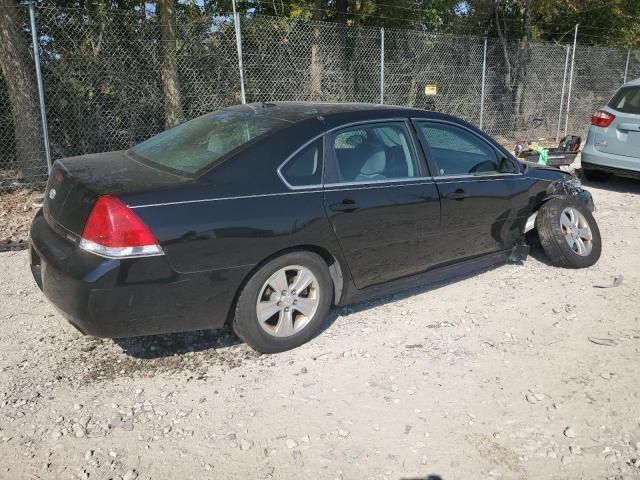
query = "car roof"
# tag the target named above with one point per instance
(298, 111)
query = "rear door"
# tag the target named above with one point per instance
(622, 136)
(480, 199)
(380, 200)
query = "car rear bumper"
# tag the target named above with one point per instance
(122, 298)
(621, 164)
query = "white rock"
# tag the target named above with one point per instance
(130, 475)
(291, 443)
(343, 433)
(245, 444)
(569, 432)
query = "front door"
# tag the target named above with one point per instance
(478, 198)
(379, 200)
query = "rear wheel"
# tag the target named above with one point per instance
(568, 233)
(284, 303)
(595, 175)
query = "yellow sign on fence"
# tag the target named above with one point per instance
(430, 89)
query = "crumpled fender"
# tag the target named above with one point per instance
(569, 186)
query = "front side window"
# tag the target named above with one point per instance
(456, 151)
(374, 152)
(627, 100)
(200, 144)
(305, 167)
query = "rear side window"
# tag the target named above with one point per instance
(626, 100)
(197, 145)
(374, 152)
(305, 168)
(456, 151)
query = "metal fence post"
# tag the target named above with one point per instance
(626, 67)
(564, 81)
(484, 74)
(236, 22)
(573, 62)
(382, 66)
(43, 110)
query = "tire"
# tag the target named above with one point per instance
(555, 233)
(596, 175)
(275, 333)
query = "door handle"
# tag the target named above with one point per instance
(459, 194)
(347, 205)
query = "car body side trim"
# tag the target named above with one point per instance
(220, 199)
(359, 186)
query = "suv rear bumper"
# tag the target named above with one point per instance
(620, 164)
(129, 297)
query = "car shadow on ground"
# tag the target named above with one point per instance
(158, 346)
(614, 184)
(428, 477)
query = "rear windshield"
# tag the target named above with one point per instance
(198, 145)
(627, 100)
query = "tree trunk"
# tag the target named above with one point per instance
(171, 86)
(524, 54)
(17, 66)
(316, 62)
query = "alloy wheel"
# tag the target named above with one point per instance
(576, 231)
(288, 301)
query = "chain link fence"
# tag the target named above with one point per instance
(103, 78)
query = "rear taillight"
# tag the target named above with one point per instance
(113, 230)
(602, 118)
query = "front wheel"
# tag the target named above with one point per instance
(284, 303)
(568, 233)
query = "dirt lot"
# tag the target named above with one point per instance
(525, 371)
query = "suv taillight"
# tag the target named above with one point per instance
(113, 230)
(602, 118)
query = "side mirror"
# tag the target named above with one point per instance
(508, 165)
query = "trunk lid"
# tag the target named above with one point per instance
(75, 183)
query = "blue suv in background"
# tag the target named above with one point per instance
(613, 143)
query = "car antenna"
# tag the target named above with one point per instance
(268, 104)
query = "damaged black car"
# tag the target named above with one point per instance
(260, 217)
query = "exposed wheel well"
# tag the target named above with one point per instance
(335, 270)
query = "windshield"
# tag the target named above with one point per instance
(627, 100)
(199, 144)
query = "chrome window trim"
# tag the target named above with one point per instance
(464, 127)
(372, 186)
(324, 154)
(290, 157)
(394, 181)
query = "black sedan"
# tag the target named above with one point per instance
(263, 216)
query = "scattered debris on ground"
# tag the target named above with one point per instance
(17, 208)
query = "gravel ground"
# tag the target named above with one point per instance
(17, 208)
(524, 371)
